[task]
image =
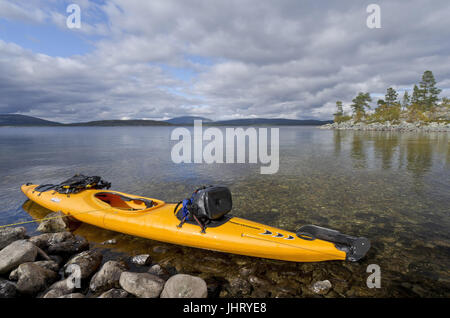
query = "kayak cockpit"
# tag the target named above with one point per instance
(122, 202)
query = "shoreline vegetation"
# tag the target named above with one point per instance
(422, 111)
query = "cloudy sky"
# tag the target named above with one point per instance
(159, 59)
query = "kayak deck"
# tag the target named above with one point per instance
(155, 219)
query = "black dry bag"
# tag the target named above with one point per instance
(211, 203)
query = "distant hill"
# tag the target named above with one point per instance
(22, 120)
(186, 120)
(118, 122)
(274, 122)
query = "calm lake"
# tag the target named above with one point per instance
(392, 187)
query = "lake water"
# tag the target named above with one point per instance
(392, 187)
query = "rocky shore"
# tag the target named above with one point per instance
(59, 264)
(388, 126)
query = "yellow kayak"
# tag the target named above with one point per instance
(155, 219)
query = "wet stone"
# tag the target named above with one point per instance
(7, 289)
(54, 222)
(321, 287)
(107, 277)
(185, 286)
(16, 253)
(33, 278)
(159, 271)
(142, 285)
(11, 234)
(88, 262)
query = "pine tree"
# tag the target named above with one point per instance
(391, 97)
(339, 114)
(360, 103)
(430, 93)
(339, 109)
(416, 98)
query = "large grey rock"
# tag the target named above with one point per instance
(7, 289)
(114, 293)
(54, 222)
(143, 285)
(51, 265)
(60, 243)
(11, 234)
(33, 278)
(108, 276)
(185, 286)
(16, 253)
(88, 261)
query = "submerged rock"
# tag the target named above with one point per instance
(114, 293)
(239, 287)
(185, 286)
(88, 261)
(159, 271)
(143, 285)
(109, 242)
(7, 289)
(33, 278)
(16, 253)
(11, 234)
(107, 277)
(143, 259)
(321, 287)
(54, 222)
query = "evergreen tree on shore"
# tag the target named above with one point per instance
(360, 104)
(390, 97)
(416, 98)
(339, 109)
(429, 91)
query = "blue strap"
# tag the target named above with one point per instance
(184, 209)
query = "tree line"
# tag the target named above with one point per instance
(422, 105)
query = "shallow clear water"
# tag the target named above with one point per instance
(392, 187)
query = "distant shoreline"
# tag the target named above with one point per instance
(28, 121)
